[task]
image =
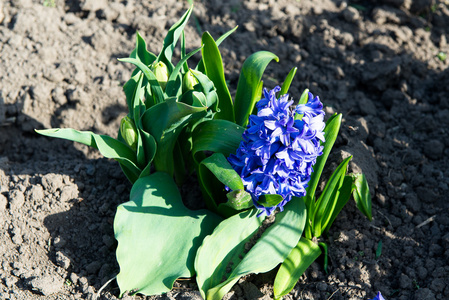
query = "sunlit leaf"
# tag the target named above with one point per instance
(249, 84)
(299, 259)
(150, 253)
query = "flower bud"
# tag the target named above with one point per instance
(161, 72)
(189, 81)
(129, 132)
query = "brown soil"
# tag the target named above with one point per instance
(375, 63)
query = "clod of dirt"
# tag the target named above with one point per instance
(46, 285)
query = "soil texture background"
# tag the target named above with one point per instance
(380, 63)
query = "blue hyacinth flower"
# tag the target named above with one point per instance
(277, 152)
(378, 297)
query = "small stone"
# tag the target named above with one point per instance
(366, 106)
(59, 242)
(251, 291)
(424, 293)
(16, 199)
(62, 260)
(74, 278)
(69, 192)
(36, 193)
(3, 202)
(434, 149)
(92, 5)
(108, 240)
(351, 14)
(52, 182)
(46, 285)
(405, 282)
(10, 281)
(93, 267)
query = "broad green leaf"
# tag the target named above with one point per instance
(362, 195)
(157, 236)
(330, 135)
(129, 88)
(149, 148)
(288, 81)
(326, 203)
(108, 147)
(172, 37)
(165, 121)
(158, 94)
(141, 53)
(270, 249)
(216, 136)
(213, 64)
(174, 86)
(299, 259)
(164, 117)
(222, 169)
(214, 173)
(248, 85)
(185, 66)
(200, 66)
(343, 198)
(138, 109)
(270, 200)
(222, 247)
(208, 88)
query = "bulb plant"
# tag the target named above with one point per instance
(255, 156)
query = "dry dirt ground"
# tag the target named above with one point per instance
(380, 63)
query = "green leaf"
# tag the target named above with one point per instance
(200, 66)
(325, 205)
(207, 87)
(343, 198)
(141, 53)
(222, 247)
(157, 236)
(129, 88)
(165, 121)
(362, 195)
(213, 64)
(299, 259)
(270, 200)
(108, 147)
(248, 85)
(324, 248)
(158, 93)
(185, 66)
(174, 86)
(379, 249)
(271, 249)
(304, 97)
(216, 136)
(223, 171)
(172, 38)
(214, 173)
(149, 148)
(330, 135)
(302, 100)
(288, 81)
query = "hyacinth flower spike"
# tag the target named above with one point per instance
(279, 148)
(378, 297)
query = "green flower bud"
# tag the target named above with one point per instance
(189, 81)
(129, 132)
(161, 72)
